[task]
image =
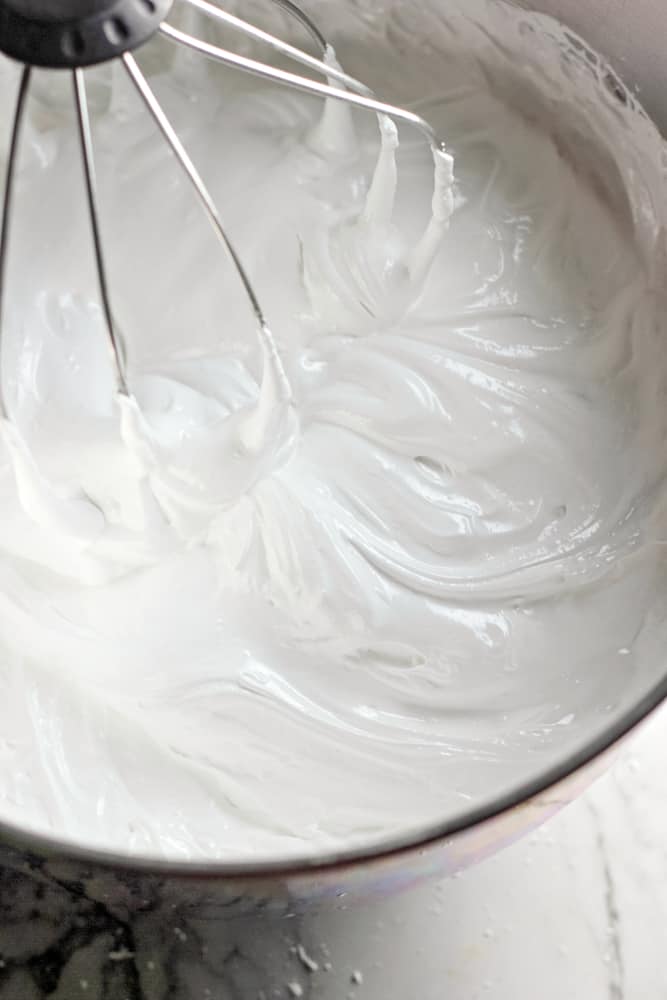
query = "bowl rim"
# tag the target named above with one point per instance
(346, 860)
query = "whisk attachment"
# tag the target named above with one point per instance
(76, 34)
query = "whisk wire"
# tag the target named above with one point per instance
(24, 86)
(87, 157)
(294, 80)
(298, 55)
(304, 20)
(350, 91)
(166, 128)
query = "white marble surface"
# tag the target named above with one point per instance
(577, 911)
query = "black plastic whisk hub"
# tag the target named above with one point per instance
(68, 34)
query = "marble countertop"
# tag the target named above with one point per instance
(578, 911)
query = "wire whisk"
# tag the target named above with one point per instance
(72, 41)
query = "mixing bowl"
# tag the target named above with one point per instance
(148, 930)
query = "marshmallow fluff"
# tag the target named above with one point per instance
(316, 584)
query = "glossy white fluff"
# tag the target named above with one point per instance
(305, 594)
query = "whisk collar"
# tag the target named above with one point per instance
(69, 34)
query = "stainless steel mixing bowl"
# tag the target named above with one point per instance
(151, 931)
